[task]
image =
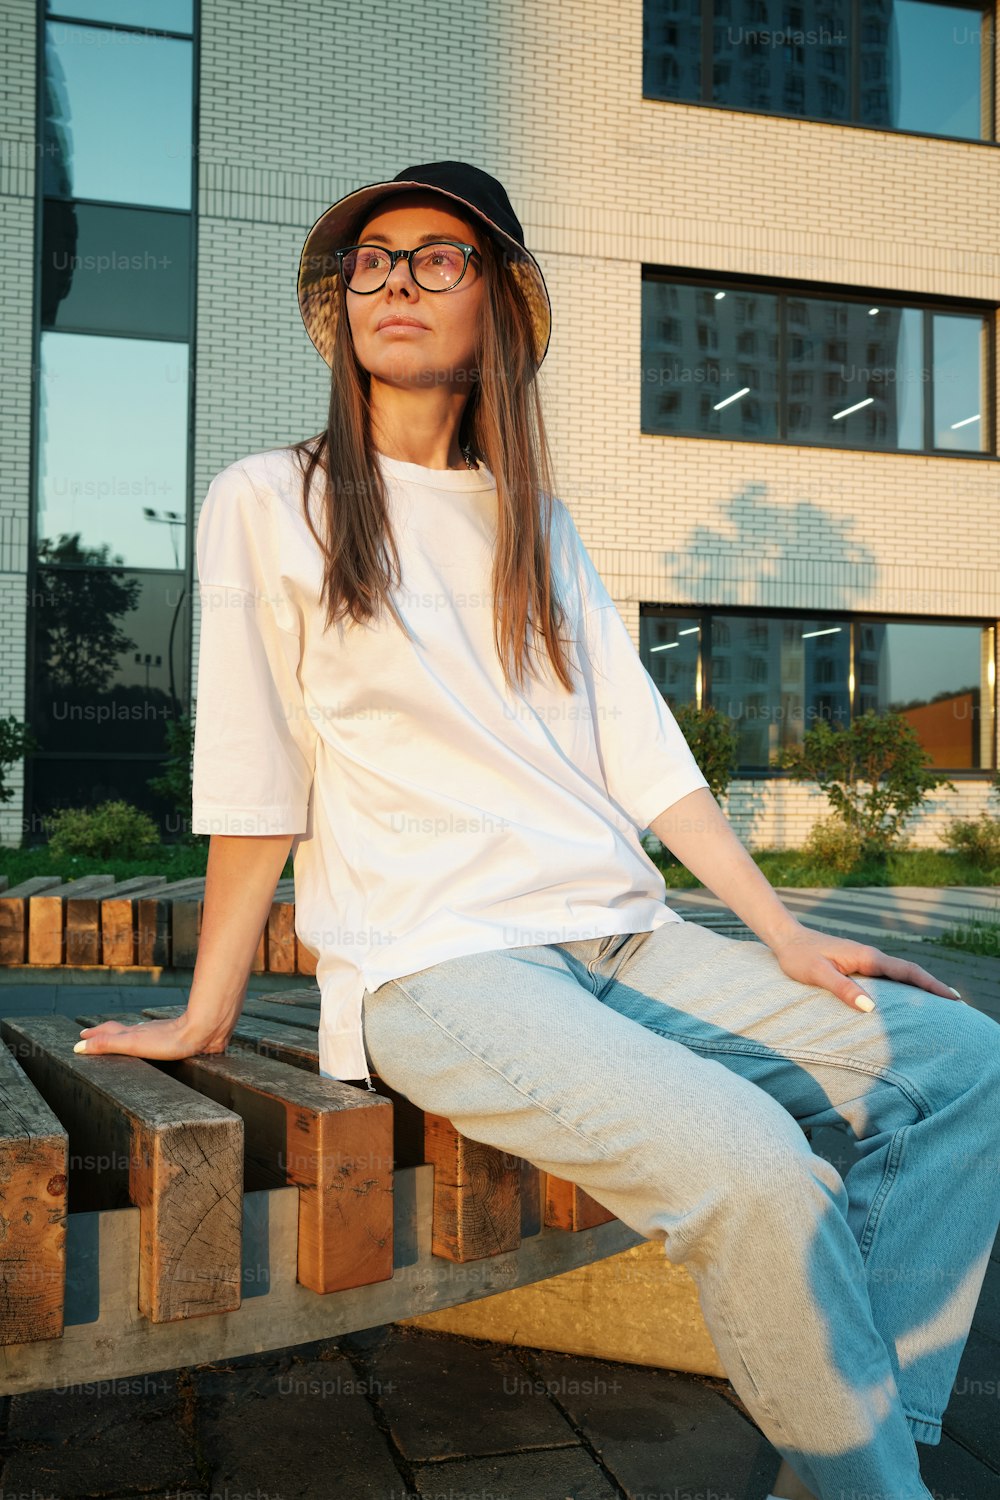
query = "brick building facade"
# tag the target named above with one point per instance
(753, 527)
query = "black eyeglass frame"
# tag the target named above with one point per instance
(394, 255)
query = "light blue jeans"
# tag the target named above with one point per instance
(669, 1073)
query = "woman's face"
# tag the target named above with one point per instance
(442, 350)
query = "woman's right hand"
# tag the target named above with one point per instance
(170, 1039)
(240, 877)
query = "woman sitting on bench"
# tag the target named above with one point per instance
(412, 676)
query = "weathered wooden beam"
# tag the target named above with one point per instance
(47, 917)
(306, 999)
(331, 1141)
(83, 922)
(477, 1188)
(477, 1194)
(286, 1014)
(185, 930)
(153, 920)
(34, 1149)
(281, 937)
(305, 958)
(14, 917)
(567, 1206)
(297, 1045)
(118, 916)
(138, 1136)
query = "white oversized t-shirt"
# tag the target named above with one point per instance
(435, 811)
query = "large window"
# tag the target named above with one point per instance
(118, 125)
(775, 674)
(912, 65)
(739, 360)
(112, 447)
(109, 615)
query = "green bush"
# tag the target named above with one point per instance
(833, 843)
(113, 830)
(875, 773)
(714, 743)
(976, 839)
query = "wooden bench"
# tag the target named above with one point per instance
(157, 1215)
(165, 1214)
(143, 922)
(146, 922)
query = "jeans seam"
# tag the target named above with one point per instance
(538, 1103)
(805, 1054)
(916, 1416)
(888, 1178)
(599, 957)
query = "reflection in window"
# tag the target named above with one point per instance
(111, 652)
(923, 67)
(863, 389)
(69, 781)
(158, 15)
(116, 270)
(919, 66)
(776, 676)
(855, 373)
(762, 61)
(110, 635)
(709, 360)
(671, 57)
(112, 454)
(959, 370)
(669, 645)
(117, 116)
(934, 675)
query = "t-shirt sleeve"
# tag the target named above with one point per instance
(647, 762)
(254, 741)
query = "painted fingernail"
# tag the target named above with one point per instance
(862, 1002)
(80, 1047)
(955, 992)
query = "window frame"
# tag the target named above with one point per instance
(44, 14)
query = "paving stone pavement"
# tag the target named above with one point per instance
(407, 1414)
(397, 1413)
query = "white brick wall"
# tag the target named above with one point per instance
(300, 103)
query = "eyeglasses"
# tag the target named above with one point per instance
(436, 267)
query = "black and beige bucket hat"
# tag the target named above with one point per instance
(478, 192)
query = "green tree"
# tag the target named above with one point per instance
(714, 743)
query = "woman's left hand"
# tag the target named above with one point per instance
(817, 958)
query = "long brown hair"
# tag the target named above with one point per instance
(502, 423)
